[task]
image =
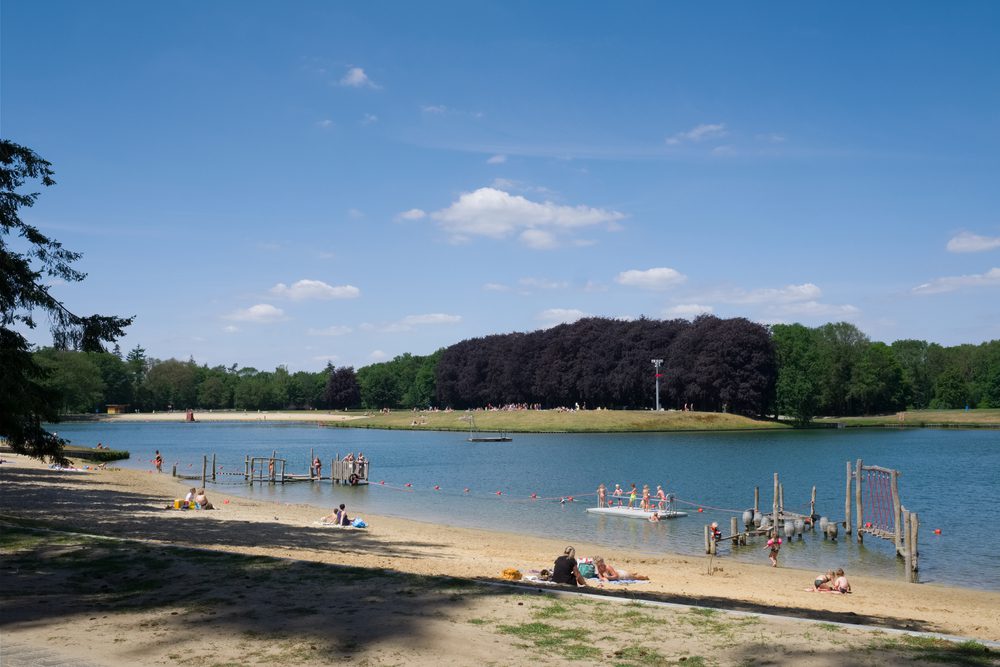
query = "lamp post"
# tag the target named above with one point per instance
(656, 364)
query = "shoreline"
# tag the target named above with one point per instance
(32, 492)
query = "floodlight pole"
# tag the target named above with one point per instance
(656, 364)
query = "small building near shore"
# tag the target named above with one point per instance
(117, 409)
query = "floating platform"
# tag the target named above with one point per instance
(636, 513)
(490, 438)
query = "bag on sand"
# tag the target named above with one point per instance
(359, 523)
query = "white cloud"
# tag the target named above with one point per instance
(687, 310)
(497, 214)
(542, 283)
(355, 213)
(369, 119)
(315, 289)
(553, 316)
(952, 283)
(431, 318)
(656, 279)
(538, 239)
(262, 313)
(230, 328)
(356, 78)
(434, 108)
(378, 355)
(788, 294)
(496, 287)
(412, 214)
(335, 330)
(497, 159)
(698, 133)
(967, 242)
(325, 124)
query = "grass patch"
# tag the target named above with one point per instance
(567, 642)
(639, 655)
(941, 651)
(829, 627)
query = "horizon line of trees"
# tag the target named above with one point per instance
(711, 363)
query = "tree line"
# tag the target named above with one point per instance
(710, 364)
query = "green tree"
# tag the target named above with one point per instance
(116, 377)
(798, 367)
(25, 403)
(74, 377)
(378, 386)
(912, 358)
(840, 346)
(215, 392)
(950, 391)
(172, 384)
(877, 383)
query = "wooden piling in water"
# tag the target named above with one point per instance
(897, 533)
(812, 508)
(774, 509)
(204, 469)
(312, 457)
(847, 502)
(857, 500)
(756, 500)
(213, 467)
(734, 530)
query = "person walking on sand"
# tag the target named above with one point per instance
(774, 544)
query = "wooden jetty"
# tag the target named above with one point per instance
(274, 470)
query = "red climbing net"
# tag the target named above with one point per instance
(877, 506)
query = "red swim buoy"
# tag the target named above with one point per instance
(534, 495)
(408, 485)
(466, 489)
(700, 509)
(226, 501)
(437, 488)
(381, 481)
(499, 493)
(570, 498)
(937, 531)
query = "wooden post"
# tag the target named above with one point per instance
(733, 530)
(253, 473)
(173, 472)
(812, 507)
(756, 500)
(847, 502)
(204, 469)
(708, 548)
(774, 509)
(896, 532)
(282, 471)
(312, 457)
(246, 467)
(914, 543)
(857, 500)
(908, 554)
(781, 498)
(213, 467)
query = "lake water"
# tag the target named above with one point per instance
(950, 477)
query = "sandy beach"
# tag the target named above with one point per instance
(454, 612)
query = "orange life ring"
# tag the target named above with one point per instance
(353, 479)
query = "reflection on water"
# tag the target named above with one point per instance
(949, 477)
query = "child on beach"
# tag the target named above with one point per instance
(774, 544)
(841, 584)
(824, 582)
(158, 461)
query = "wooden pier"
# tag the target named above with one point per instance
(274, 470)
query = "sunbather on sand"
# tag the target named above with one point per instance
(608, 573)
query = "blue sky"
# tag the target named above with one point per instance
(269, 183)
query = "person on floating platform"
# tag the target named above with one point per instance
(617, 494)
(565, 571)
(661, 498)
(633, 493)
(645, 497)
(606, 572)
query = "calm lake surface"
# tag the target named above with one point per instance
(950, 477)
